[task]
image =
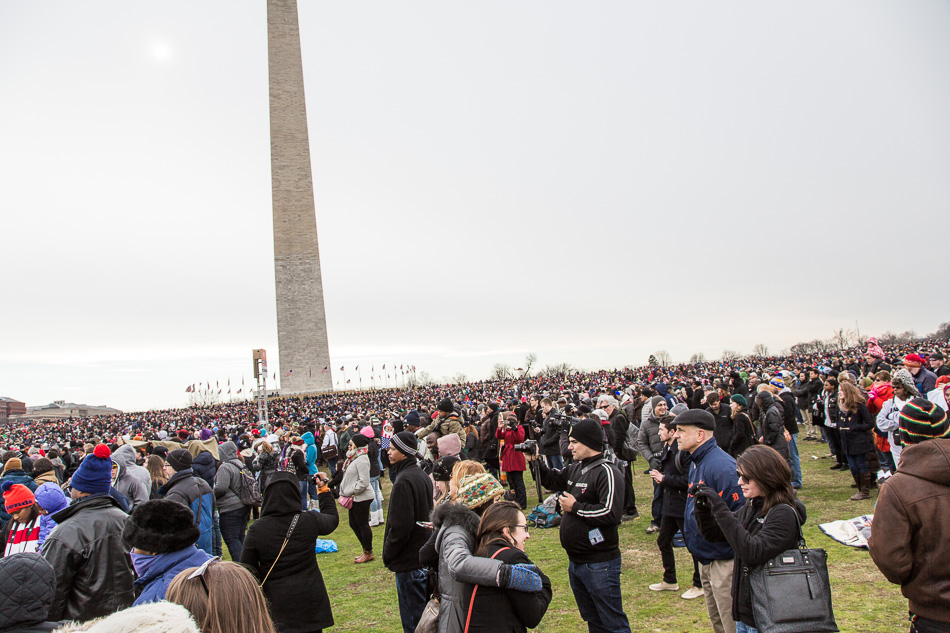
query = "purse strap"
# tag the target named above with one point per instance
(471, 602)
(801, 534)
(290, 531)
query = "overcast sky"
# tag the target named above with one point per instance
(588, 181)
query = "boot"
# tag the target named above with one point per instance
(865, 483)
(373, 521)
(837, 467)
(382, 520)
(365, 558)
(854, 475)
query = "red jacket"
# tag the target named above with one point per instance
(876, 399)
(511, 460)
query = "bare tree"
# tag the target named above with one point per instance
(652, 361)
(501, 371)
(729, 355)
(760, 350)
(424, 379)
(663, 358)
(529, 362)
(459, 378)
(888, 338)
(943, 332)
(560, 369)
(698, 357)
(840, 338)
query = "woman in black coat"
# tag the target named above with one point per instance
(502, 534)
(743, 435)
(765, 526)
(295, 588)
(855, 424)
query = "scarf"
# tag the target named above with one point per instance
(352, 455)
(23, 537)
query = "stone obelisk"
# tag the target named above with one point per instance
(301, 319)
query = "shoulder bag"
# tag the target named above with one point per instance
(290, 531)
(791, 593)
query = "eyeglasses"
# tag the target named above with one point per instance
(200, 572)
(523, 527)
(742, 476)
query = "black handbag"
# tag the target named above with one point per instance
(791, 593)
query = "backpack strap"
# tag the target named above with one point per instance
(471, 602)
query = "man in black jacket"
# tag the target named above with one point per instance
(410, 503)
(592, 506)
(93, 568)
(805, 394)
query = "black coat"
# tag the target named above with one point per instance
(754, 542)
(855, 430)
(674, 464)
(549, 444)
(500, 610)
(205, 467)
(789, 414)
(723, 431)
(295, 589)
(409, 501)
(27, 584)
(743, 435)
(772, 426)
(92, 564)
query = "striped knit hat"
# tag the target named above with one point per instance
(476, 490)
(921, 420)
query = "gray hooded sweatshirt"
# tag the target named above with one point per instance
(227, 482)
(133, 480)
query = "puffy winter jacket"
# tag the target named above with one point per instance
(227, 481)
(205, 467)
(50, 497)
(27, 584)
(648, 439)
(196, 494)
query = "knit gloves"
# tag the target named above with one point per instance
(519, 577)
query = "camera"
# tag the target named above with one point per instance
(560, 421)
(528, 446)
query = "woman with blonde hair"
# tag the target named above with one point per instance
(222, 597)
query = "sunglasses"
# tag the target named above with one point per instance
(199, 573)
(742, 476)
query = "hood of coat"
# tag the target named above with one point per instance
(27, 583)
(449, 514)
(152, 617)
(308, 439)
(227, 451)
(282, 495)
(766, 400)
(51, 498)
(204, 458)
(124, 456)
(662, 389)
(929, 460)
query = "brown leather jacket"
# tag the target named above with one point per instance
(911, 528)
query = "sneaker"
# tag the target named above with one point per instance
(692, 592)
(653, 529)
(664, 586)
(630, 517)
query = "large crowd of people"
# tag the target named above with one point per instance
(121, 522)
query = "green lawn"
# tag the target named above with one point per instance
(364, 596)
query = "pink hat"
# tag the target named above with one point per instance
(367, 431)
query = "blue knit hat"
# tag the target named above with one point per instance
(94, 475)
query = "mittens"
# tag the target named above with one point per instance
(519, 577)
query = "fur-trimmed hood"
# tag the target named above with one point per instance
(155, 617)
(449, 514)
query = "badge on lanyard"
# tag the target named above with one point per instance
(595, 536)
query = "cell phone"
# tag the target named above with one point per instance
(425, 524)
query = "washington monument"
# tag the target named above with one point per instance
(301, 319)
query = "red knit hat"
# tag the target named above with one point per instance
(913, 360)
(16, 496)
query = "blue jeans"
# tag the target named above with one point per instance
(596, 588)
(331, 463)
(745, 628)
(411, 592)
(857, 463)
(796, 462)
(215, 535)
(304, 490)
(377, 503)
(554, 461)
(233, 528)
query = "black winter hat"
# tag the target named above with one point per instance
(446, 406)
(179, 459)
(699, 418)
(360, 440)
(406, 443)
(589, 433)
(161, 526)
